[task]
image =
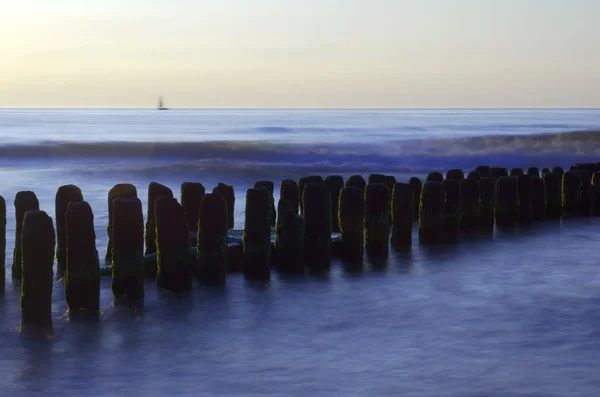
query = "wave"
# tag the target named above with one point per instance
(386, 155)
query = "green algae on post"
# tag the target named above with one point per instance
(403, 203)
(453, 209)
(431, 213)
(24, 201)
(155, 190)
(417, 185)
(302, 182)
(471, 204)
(82, 273)
(434, 176)
(356, 181)
(525, 198)
(351, 220)
(128, 249)
(335, 184)
(122, 190)
(596, 194)
(485, 171)
(516, 172)
(487, 194)
(317, 226)
(455, 174)
(533, 172)
(2, 243)
(553, 184)
(38, 241)
(290, 241)
(256, 240)
(269, 186)
(173, 258)
(192, 194)
(571, 189)
(497, 172)
(64, 195)
(211, 253)
(538, 198)
(507, 201)
(289, 192)
(228, 194)
(377, 219)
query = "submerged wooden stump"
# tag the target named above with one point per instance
(2, 243)
(335, 184)
(417, 185)
(471, 204)
(507, 201)
(82, 273)
(257, 235)
(289, 192)
(351, 220)
(571, 188)
(377, 220)
(487, 194)
(65, 195)
(38, 241)
(302, 182)
(435, 176)
(269, 186)
(173, 258)
(538, 198)
(453, 209)
(431, 213)
(403, 203)
(227, 193)
(121, 190)
(525, 198)
(192, 194)
(128, 250)
(553, 184)
(356, 181)
(317, 227)
(155, 190)
(24, 201)
(289, 243)
(211, 250)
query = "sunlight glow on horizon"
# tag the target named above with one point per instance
(283, 54)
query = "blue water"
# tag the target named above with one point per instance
(505, 314)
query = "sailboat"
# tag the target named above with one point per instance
(161, 105)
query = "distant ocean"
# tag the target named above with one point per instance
(500, 315)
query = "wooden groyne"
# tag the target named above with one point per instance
(194, 239)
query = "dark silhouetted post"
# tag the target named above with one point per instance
(474, 176)
(403, 203)
(290, 241)
(289, 192)
(453, 209)
(24, 201)
(377, 220)
(525, 198)
(434, 176)
(376, 178)
(212, 240)
(485, 171)
(545, 171)
(334, 184)
(507, 201)
(571, 188)
(455, 174)
(497, 172)
(487, 194)
(192, 194)
(538, 198)
(2, 243)
(586, 192)
(558, 171)
(516, 172)
(417, 185)
(121, 190)
(269, 186)
(596, 194)
(351, 221)
(533, 172)
(227, 193)
(65, 195)
(553, 184)
(155, 190)
(471, 204)
(357, 181)
(317, 227)
(257, 235)
(302, 182)
(431, 213)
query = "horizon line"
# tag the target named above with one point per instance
(305, 108)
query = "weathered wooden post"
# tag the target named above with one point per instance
(417, 185)
(431, 213)
(317, 227)
(487, 194)
(545, 171)
(553, 184)
(474, 176)
(471, 204)
(211, 252)
(507, 201)
(571, 188)
(377, 220)
(434, 176)
(290, 240)
(64, 195)
(24, 201)
(155, 190)
(403, 203)
(335, 184)
(357, 181)
(302, 182)
(376, 178)
(558, 171)
(82, 272)
(228, 194)
(516, 172)
(257, 235)
(538, 198)
(192, 194)
(38, 241)
(289, 192)
(485, 171)
(453, 209)
(351, 220)
(497, 172)
(533, 172)
(122, 190)
(525, 198)
(455, 174)
(269, 186)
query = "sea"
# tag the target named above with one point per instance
(503, 314)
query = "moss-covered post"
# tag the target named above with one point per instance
(302, 182)
(474, 176)
(455, 174)
(192, 194)
(269, 186)
(334, 184)
(376, 178)
(211, 252)
(377, 220)
(257, 235)
(417, 185)
(24, 201)
(571, 189)
(227, 193)
(487, 194)
(545, 171)
(596, 194)
(553, 184)
(128, 249)
(357, 181)
(82, 273)
(403, 203)
(485, 171)
(538, 198)
(434, 176)
(453, 209)
(173, 257)
(525, 198)
(497, 172)
(289, 244)
(533, 172)
(2, 243)
(37, 243)
(516, 172)
(122, 190)
(289, 192)
(351, 221)
(317, 227)
(586, 192)
(469, 190)
(155, 190)
(507, 201)
(431, 213)
(64, 195)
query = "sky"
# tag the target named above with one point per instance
(310, 53)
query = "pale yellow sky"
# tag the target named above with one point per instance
(283, 53)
